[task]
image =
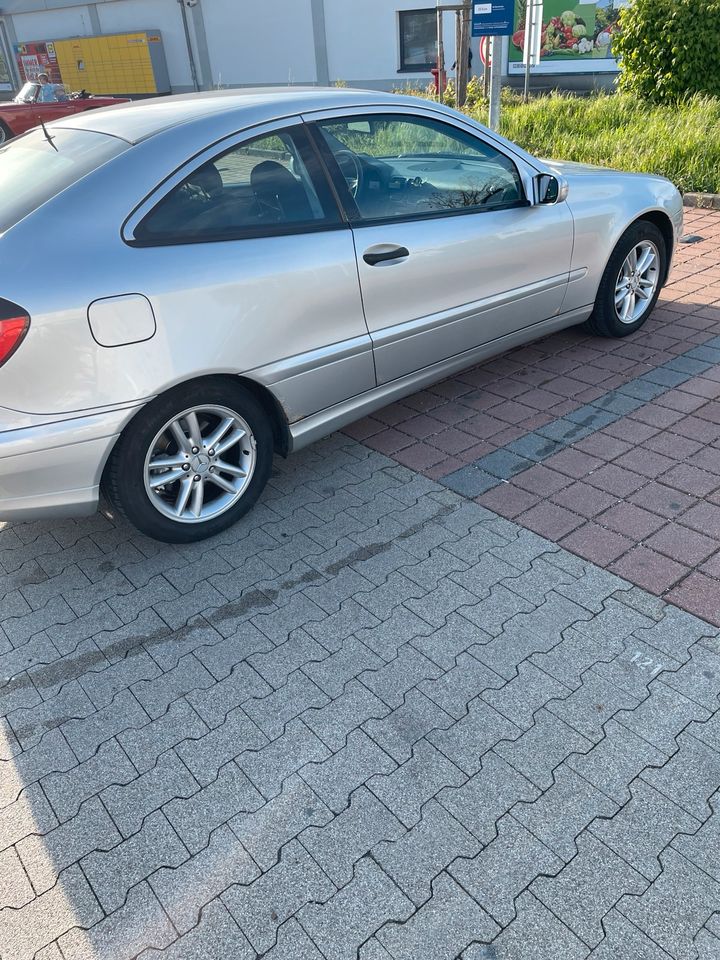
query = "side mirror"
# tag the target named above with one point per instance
(550, 189)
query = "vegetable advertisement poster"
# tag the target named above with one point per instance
(576, 37)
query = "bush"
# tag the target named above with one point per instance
(669, 48)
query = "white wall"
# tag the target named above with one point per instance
(163, 15)
(53, 24)
(363, 40)
(253, 42)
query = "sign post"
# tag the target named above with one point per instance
(493, 18)
(533, 37)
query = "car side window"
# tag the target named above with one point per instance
(260, 187)
(398, 166)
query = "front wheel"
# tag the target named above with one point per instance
(5, 134)
(631, 283)
(192, 462)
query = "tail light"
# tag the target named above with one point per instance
(14, 324)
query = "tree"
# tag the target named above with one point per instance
(669, 49)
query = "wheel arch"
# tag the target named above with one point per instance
(662, 221)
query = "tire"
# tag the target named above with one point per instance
(207, 489)
(5, 134)
(606, 320)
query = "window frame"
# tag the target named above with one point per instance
(334, 216)
(414, 68)
(351, 210)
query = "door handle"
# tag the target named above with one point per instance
(384, 252)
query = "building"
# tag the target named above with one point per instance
(382, 44)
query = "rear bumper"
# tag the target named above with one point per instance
(53, 469)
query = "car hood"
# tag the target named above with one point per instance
(572, 170)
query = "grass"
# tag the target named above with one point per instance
(681, 142)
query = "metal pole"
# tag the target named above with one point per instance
(463, 55)
(188, 42)
(495, 78)
(458, 55)
(528, 48)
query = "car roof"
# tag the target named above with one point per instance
(141, 119)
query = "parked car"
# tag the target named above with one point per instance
(24, 112)
(194, 284)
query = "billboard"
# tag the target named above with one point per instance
(576, 37)
(37, 57)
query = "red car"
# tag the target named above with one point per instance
(25, 112)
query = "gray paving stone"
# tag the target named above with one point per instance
(30, 725)
(615, 761)
(130, 804)
(269, 766)
(352, 834)
(534, 934)
(259, 909)
(30, 813)
(185, 890)
(332, 673)
(707, 945)
(20, 629)
(470, 738)
(643, 827)
(157, 695)
(690, 777)
(382, 601)
(588, 887)
(438, 566)
(334, 630)
(662, 716)
(392, 681)
(300, 611)
(616, 621)
(195, 817)
(413, 859)
(405, 790)
(347, 583)
(487, 797)
(206, 755)
(154, 592)
(333, 722)
(145, 744)
(118, 642)
(231, 583)
(104, 685)
(67, 790)
(492, 614)
(336, 777)
(113, 873)
(85, 736)
(454, 690)
(232, 649)
(703, 847)
(216, 937)
(139, 924)
(25, 931)
(624, 939)
(357, 911)
(445, 644)
(214, 703)
(699, 679)
(276, 665)
(45, 856)
(483, 573)
(592, 704)
(569, 659)
(500, 872)
(386, 638)
(563, 811)
(440, 929)
(401, 729)
(15, 887)
(168, 649)
(592, 589)
(437, 605)
(263, 832)
(676, 632)
(541, 749)
(521, 698)
(675, 907)
(80, 593)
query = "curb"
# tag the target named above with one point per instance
(706, 201)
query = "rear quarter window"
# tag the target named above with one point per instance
(33, 169)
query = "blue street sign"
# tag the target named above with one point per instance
(492, 17)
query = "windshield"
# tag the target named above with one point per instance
(27, 94)
(34, 169)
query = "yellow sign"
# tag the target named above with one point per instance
(113, 64)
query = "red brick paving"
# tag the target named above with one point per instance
(641, 496)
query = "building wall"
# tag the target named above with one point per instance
(249, 43)
(40, 25)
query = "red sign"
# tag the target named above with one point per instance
(485, 51)
(37, 57)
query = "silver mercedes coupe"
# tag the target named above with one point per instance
(193, 284)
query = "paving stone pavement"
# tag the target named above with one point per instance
(375, 720)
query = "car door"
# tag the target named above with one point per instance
(246, 259)
(451, 254)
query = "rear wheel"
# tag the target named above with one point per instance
(192, 462)
(5, 133)
(631, 283)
